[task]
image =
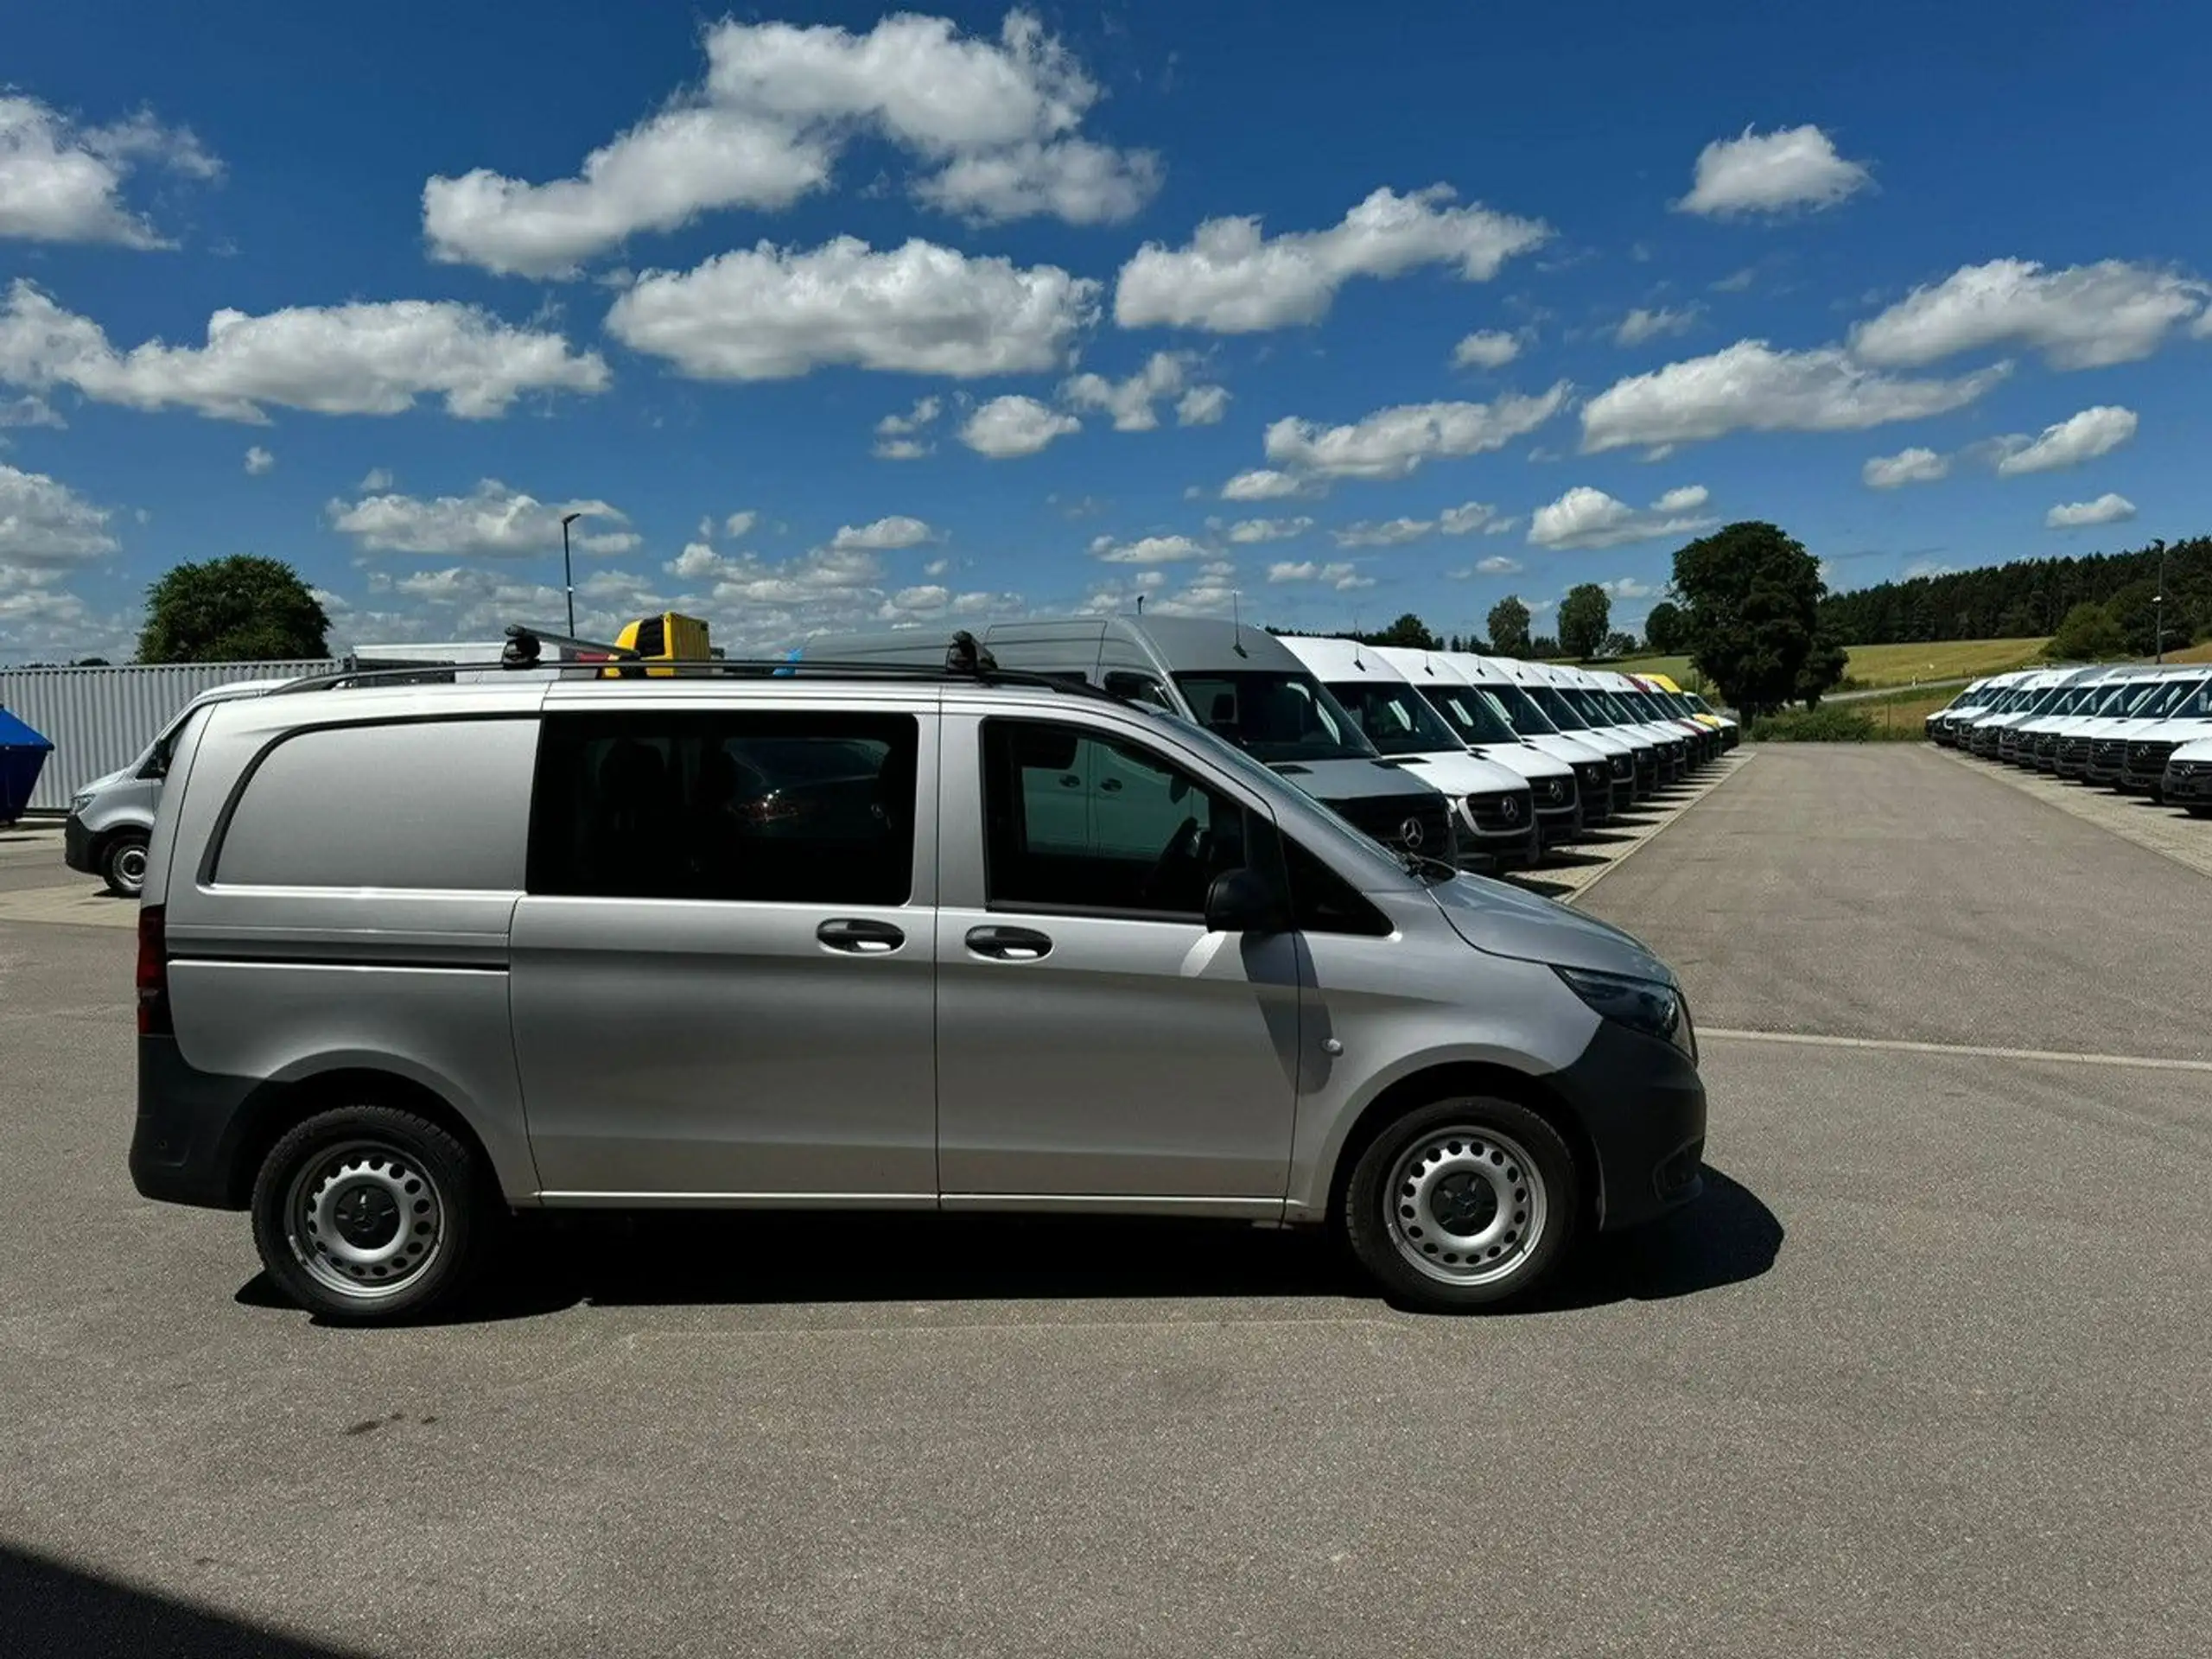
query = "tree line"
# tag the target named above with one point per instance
(2035, 597)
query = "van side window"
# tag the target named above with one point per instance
(772, 807)
(1076, 821)
(1321, 901)
(1131, 687)
(437, 803)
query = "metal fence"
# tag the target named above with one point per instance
(98, 718)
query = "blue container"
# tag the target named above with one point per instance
(23, 752)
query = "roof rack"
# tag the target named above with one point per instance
(966, 658)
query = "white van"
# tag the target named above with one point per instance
(2034, 742)
(1403, 724)
(2185, 716)
(2188, 782)
(1604, 704)
(1545, 718)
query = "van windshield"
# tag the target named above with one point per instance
(1475, 717)
(1394, 717)
(1563, 714)
(1275, 716)
(1522, 710)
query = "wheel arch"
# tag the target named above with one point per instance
(278, 1106)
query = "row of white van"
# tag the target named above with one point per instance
(1485, 761)
(2142, 729)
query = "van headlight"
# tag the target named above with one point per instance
(78, 803)
(1643, 1005)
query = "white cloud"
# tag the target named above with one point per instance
(61, 182)
(1498, 565)
(1012, 426)
(1233, 279)
(1486, 349)
(1394, 532)
(1914, 466)
(1392, 442)
(773, 314)
(1772, 173)
(1752, 387)
(1641, 325)
(1246, 532)
(1587, 518)
(884, 534)
(897, 435)
(376, 480)
(1471, 515)
(697, 562)
(997, 120)
(1628, 587)
(2106, 509)
(1202, 406)
(46, 528)
(2083, 317)
(490, 522)
(1343, 577)
(1150, 549)
(344, 359)
(2078, 438)
(739, 524)
(29, 411)
(258, 461)
(1262, 484)
(1131, 401)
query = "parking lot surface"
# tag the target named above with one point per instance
(1923, 1372)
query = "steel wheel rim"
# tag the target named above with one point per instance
(1466, 1205)
(130, 868)
(365, 1220)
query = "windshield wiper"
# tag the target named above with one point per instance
(1420, 864)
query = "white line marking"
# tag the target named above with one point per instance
(1800, 1039)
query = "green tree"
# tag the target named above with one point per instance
(1544, 646)
(1752, 596)
(1663, 630)
(244, 609)
(1508, 627)
(2134, 610)
(2088, 634)
(1620, 645)
(1583, 616)
(1821, 671)
(1409, 631)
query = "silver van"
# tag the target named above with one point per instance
(111, 818)
(412, 958)
(1245, 685)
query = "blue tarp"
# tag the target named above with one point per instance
(23, 752)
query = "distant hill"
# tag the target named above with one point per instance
(2029, 597)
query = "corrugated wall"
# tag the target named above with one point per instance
(98, 718)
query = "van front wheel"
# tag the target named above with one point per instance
(123, 866)
(368, 1214)
(1468, 1203)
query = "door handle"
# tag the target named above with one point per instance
(859, 937)
(1070, 779)
(1111, 786)
(1009, 943)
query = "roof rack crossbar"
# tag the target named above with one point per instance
(740, 668)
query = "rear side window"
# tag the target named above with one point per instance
(764, 806)
(424, 803)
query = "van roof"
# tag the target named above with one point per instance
(1346, 659)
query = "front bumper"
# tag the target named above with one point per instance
(2187, 783)
(77, 845)
(1641, 1103)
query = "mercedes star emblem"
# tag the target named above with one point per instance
(1409, 834)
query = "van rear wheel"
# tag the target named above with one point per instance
(369, 1214)
(123, 866)
(1467, 1203)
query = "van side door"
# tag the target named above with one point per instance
(1094, 1039)
(722, 977)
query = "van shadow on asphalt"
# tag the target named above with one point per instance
(54, 1608)
(670, 1259)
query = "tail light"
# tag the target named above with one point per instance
(154, 1019)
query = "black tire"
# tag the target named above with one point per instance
(123, 865)
(1481, 1140)
(2200, 811)
(368, 1215)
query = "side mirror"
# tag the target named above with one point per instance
(1239, 901)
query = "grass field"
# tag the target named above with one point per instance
(1872, 667)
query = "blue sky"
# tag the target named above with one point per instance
(853, 318)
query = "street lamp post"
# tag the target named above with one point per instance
(2159, 602)
(568, 576)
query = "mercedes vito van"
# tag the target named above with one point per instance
(811, 939)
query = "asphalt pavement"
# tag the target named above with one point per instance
(1925, 1372)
